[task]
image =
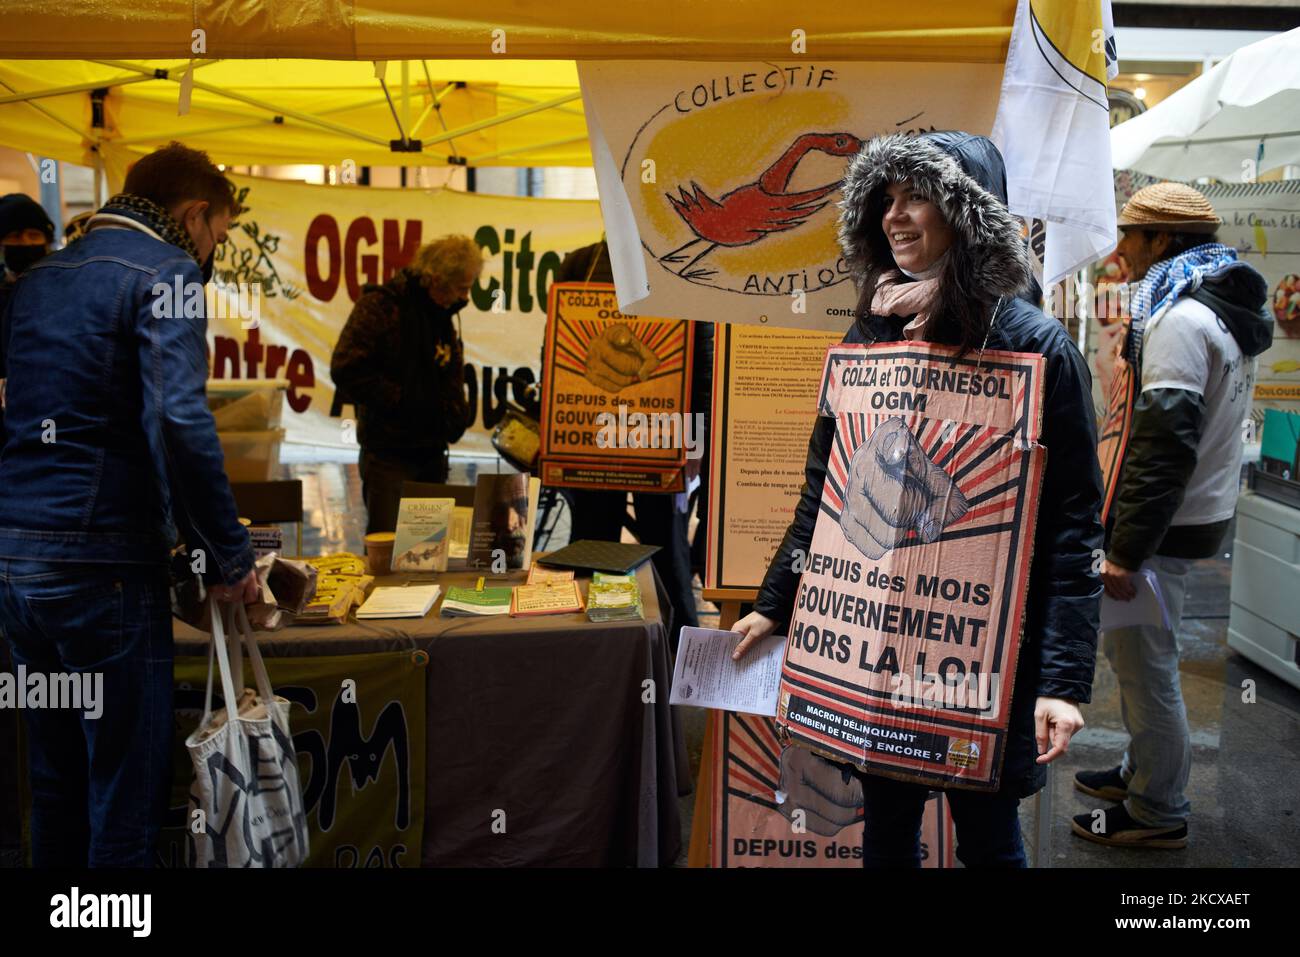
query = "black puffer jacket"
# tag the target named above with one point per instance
(1058, 648)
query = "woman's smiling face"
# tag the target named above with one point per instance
(915, 229)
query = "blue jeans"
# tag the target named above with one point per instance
(99, 785)
(987, 825)
(1158, 762)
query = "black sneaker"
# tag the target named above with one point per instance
(1116, 828)
(1107, 785)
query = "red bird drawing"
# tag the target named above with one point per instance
(748, 213)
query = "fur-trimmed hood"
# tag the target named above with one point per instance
(965, 177)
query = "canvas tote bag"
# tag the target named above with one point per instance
(245, 770)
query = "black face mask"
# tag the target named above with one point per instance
(206, 267)
(458, 305)
(19, 257)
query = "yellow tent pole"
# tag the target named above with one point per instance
(43, 111)
(503, 118)
(524, 99)
(98, 199)
(433, 105)
(168, 135)
(406, 96)
(475, 160)
(95, 84)
(261, 105)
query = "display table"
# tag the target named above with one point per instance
(547, 740)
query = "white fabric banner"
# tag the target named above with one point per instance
(311, 248)
(1053, 127)
(719, 181)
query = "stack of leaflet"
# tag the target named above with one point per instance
(399, 601)
(474, 602)
(614, 598)
(341, 583)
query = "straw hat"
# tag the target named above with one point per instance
(1170, 206)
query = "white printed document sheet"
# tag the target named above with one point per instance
(706, 677)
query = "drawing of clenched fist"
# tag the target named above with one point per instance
(893, 489)
(617, 358)
(828, 795)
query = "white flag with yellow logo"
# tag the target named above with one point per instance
(1053, 127)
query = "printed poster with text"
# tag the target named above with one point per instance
(751, 828)
(616, 395)
(904, 638)
(765, 384)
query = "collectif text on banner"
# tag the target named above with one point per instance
(719, 182)
(615, 395)
(903, 643)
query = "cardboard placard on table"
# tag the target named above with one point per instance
(616, 394)
(906, 628)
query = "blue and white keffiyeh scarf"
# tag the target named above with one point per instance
(1165, 282)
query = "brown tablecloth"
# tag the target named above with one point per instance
(546, 724)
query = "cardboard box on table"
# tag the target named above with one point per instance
(906, 628)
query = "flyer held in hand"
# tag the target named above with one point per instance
(905, 633)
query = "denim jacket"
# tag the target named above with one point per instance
(110, 444)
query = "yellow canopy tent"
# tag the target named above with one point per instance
(485, 84)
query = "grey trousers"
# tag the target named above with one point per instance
(1158, 762)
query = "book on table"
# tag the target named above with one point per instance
(548, 598)
(399, 601)
(472, 602)
(423, 537)
(505, 514)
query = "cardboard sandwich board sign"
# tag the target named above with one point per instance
(818, 822)
(903, 643)
(616, 395)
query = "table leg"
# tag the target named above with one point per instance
(702, 820)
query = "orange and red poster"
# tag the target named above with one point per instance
(1113, 440)
(904, 638)
(749, 828)
(616, 395)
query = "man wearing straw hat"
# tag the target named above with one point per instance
(1198, 321)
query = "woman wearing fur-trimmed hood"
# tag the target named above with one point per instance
(936, 255)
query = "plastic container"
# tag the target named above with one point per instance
(247, 405)
(379, 552)
(252, 456)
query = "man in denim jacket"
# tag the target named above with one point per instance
(110, 449)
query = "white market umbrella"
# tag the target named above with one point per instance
(1215, 125)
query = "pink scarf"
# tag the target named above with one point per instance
(895, 298)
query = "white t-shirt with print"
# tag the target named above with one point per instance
(1187, 346)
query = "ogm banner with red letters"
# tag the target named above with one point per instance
(903, 642)
(312, 248)
(790, 808)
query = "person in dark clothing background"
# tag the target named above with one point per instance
(936, 256)
(400, 360)
(1199, 319)
(660, 518)
(26, 237)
